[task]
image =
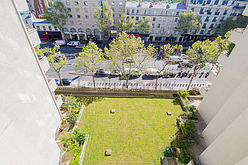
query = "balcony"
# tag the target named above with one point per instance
(33, 35)
(44, 64)
(59, 100)
(239, 7)
(52, 84)
(236, 35)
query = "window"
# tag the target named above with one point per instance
(154, 19)
(73, 30)
(216, 2)
(76, 2)
(77, 10)
(209, 1)
(176, 19)
(201, 11)
(132, 11)
(225, 12)
(49, 27)
(113, 3)
(209, 12)
(207, 19)
(70, 16)
(177, 13)
(55, 28)
(192, 9)
(202, 31)
(215, 19)
(224, 2)
(120, 3)
(37, 27)
(85, 3)
(127, 11)
(204, 25)
(71, 22)
(113, 9)
(69, 9)
(137, 18)
(137, 12)
(217, 12)
(158, 25)
(44, 28)
(78, 16)
(211, 26)
(86, 16)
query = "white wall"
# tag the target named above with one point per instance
(29, 117)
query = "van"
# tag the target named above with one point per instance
(59, 42)
(175, 58)
(73, 43)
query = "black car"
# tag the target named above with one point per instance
(102, 72)
(207, 74)
(179, 74)
(201, 74)
(65, 81)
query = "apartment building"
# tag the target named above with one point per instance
(225, 107)
(81, 24)
(30, 115)
(37, 7)
(164, 17)
(212, 13)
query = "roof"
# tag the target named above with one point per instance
(150, 5)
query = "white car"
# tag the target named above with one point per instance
(133, 72)
(59, 42)
(73, 43)
(175, 58)
(184, 56)
(153, 72)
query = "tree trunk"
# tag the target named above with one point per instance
(127, 78)
(60, 79)
(156, 83)
(94, 82)
(191, 79)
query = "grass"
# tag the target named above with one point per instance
(137, 133)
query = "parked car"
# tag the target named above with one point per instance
(184, 56)
(102, 72)
(169, 75)
(59, 42)
(73, 43)
(135, 72)
(115, 73)
(65, 81)
(80, 46)
(153, 72)
(175, 59)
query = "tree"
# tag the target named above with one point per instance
(130, 25)
(56, 60)
(89, 59)
(188, 22)
(128, 55)
(229, 24)
(144, 25)
(196, 57)
(104, 18)
(166, 51)
(39, 51)
(126, 25)
(57, 14)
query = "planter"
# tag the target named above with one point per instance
(63, 124)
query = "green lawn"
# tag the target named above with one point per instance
(137, 133)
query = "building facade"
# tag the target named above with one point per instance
(81, 24)
(225, 108)
(37, 7)
(30, 115)
(164, 17)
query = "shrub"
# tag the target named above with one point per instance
(72, 119)
(184, 156)
(194, 91)
(183, 93)
(189, 108)
(180, 142)
(192, 116)
(188, 129)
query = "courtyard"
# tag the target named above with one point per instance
(137, 132)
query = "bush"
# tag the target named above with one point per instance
(180, 142)
(184, 156)
(188, 130)
(189, 108)
(183, 93)
(192, 116)
(72, 119)
(194, 91)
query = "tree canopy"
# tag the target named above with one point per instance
(128, 55)
(229, 24)
(188, 22)
(57, 14)
(144, 26)
(104, 17)
(89, 60)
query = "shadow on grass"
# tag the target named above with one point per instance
(86, 100)
(175, 102)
